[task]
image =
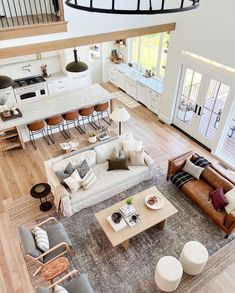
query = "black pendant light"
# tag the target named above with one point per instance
(154, 6)
(5, 81)
(76, 65)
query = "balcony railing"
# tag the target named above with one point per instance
(28, 12)
(22, 18)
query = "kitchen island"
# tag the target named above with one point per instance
(49, 106)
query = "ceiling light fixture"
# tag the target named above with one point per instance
(5, 81)
(76, 65)
(139, 6)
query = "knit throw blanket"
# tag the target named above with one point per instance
(182, 177)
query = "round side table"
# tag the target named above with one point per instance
(55, 268)
(40, 191)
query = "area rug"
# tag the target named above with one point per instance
(126, 100)
(116, 270)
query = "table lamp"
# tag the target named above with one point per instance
(120, 114)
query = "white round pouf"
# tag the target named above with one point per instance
(193, 257)
(168, 273)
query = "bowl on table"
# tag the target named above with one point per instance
(154, 201)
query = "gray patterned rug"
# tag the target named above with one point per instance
(116, 270)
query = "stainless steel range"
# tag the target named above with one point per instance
(29, 88)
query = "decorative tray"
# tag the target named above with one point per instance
(154, 201)
(12, 115)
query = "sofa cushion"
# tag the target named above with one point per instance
(28, 242)
(216, 180)
(118, 164)
(199, 192)
(104, 151)
(56, 234)
(88, 180)
(69, 169)
(41, 238)
(218, 199)
(74, 181)
(83, 168)
(137, 158)
(192, 169)
(79, 285)
(75, 160)
(230, 196)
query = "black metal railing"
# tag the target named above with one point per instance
(138, 6)
(27, 12)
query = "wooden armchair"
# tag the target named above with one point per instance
(59, 242)
(76, 283)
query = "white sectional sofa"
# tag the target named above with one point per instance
(108, 183)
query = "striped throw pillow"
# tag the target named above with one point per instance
(41, 239)
(60, 289)
(89, 179)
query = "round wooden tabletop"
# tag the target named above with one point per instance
(55, 268)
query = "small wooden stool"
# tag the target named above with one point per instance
(55, 268)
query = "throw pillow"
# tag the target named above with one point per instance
(137, 158)
(230, 196)
(132, 145)
(218, 199)
(60, 289)
(114, 154)
(69, 169)
(83, 168)
(74, 181)
(88, 180)
(61, 176)
(192, 169)
(41, 238)
(118, 164)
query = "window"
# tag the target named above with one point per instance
(150, 52)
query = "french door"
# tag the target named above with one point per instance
(201, 104)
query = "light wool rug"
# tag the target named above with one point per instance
(116, 270)
(126, 100)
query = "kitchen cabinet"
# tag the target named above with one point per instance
(9, 94)
(131, 87)
(78, 80)
(57, 86)
(112, 71)
(117, 77)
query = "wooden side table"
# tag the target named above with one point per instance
(55, 268)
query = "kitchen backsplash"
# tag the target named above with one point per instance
(31, 67)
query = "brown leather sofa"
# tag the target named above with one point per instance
(199, 190)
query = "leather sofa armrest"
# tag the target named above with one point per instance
(175, 164)
(230, 221)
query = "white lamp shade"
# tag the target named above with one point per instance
(120, 114)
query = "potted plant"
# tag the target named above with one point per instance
(92, 137)
(129, 202)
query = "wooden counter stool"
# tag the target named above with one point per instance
(73, 118)
(55, 268)
(36, 128)
(53, 123)
(88, 114)
(101, 109)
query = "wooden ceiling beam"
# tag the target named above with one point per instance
(82, 41)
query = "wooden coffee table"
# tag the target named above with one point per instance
(148, 218)
(53, 269)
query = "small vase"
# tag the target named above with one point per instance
(92, 139)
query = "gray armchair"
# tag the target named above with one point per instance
(76, 284)
(59, 243)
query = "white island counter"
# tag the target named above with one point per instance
(50, 106)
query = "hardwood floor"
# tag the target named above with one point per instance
(21, 169)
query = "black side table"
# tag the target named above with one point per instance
(40, 191)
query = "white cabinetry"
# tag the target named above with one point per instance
(148, 97)
(8, 93)
(78, 80)
(131, 87)
(116, 76)
(57, 86)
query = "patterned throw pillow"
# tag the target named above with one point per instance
(41, 238)
(74, 181)
(83, 168)
(192, 169)
(60, 289)
(89, 179)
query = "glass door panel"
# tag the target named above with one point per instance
(188, 96)
(210, 113)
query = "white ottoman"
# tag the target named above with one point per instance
(193, 257)
(168, 273)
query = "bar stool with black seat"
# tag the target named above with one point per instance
(36, 128)
(73, 118)
(53, 123)
(88, 114)
(101, 110)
